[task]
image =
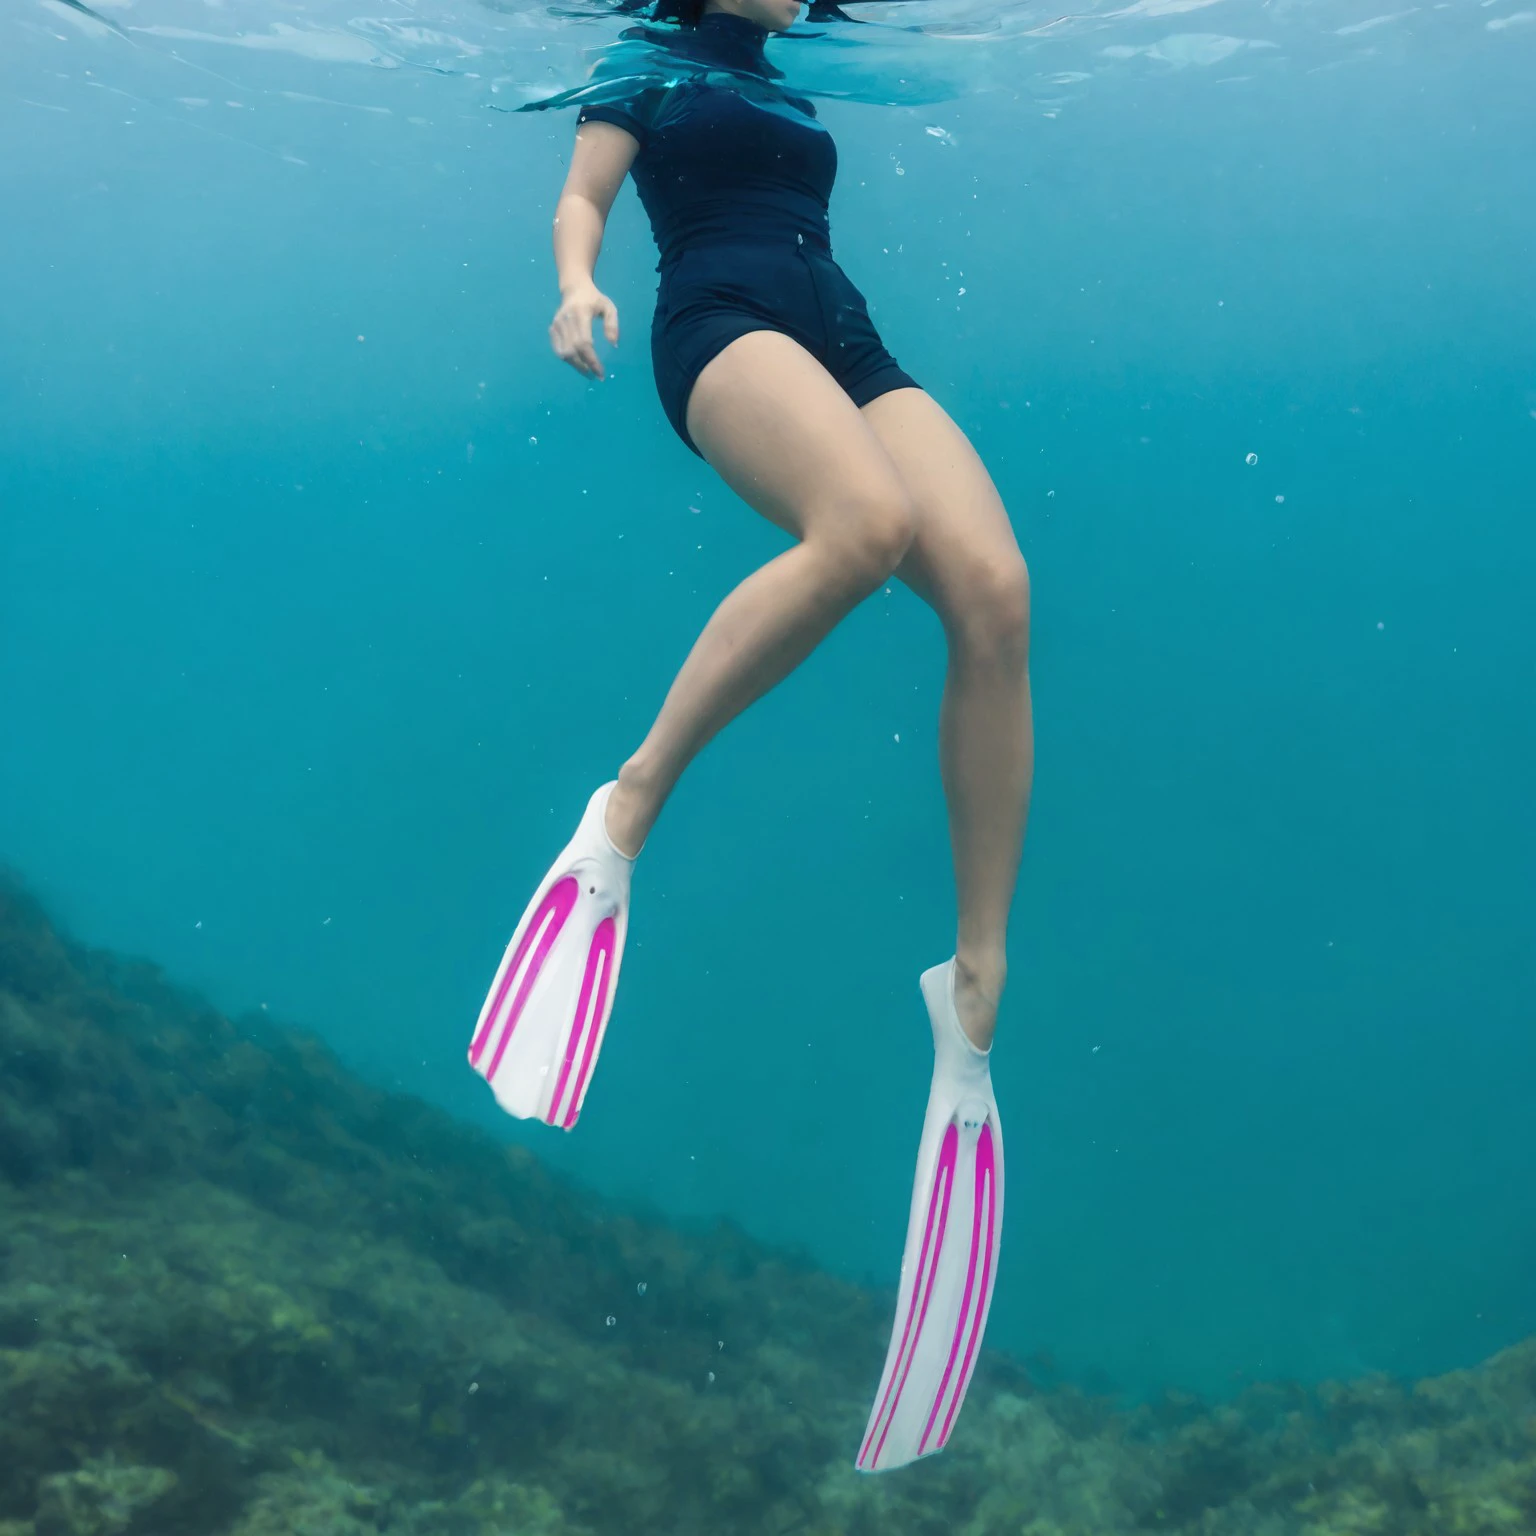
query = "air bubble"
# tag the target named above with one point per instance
(1280, 500)
(1251, 460)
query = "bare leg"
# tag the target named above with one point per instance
(788, 440)
(966, 563)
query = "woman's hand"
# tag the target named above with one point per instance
(570, 332)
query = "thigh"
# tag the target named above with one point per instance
(783, 434)
(963, 531)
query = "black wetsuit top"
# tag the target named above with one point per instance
(736, 162)
(736, 176)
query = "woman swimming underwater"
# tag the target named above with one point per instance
(769, 368)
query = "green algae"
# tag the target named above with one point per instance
(243, 1294)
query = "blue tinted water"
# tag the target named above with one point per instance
(327, 596)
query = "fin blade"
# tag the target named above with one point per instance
(524, 1066)
(519, 971)
(949, 1271)
(972, 1321)
(542, 1023)
(583, 1039)
(913, 1306)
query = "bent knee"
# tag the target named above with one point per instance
(869, 537)
(991, 608)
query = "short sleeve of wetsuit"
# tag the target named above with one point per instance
(636, 116)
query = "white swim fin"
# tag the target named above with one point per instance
(542, 1023)
(950, 1263)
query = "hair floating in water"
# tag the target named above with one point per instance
(688, 12)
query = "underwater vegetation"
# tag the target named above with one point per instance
(244, 1293)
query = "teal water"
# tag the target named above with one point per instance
(326, 596)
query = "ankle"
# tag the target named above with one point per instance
(984, 972)
(978, 989)
(632, 809)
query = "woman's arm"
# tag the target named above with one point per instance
(601, 160)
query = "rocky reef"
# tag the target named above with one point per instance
(244, 1294)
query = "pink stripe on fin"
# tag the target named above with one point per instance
(912, 1311)
(543, 929)
(587, 1026)
(922, 1286)
(986, 1184)
(983, 1197)
(599, 1025)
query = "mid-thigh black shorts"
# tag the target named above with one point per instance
(713, 294)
